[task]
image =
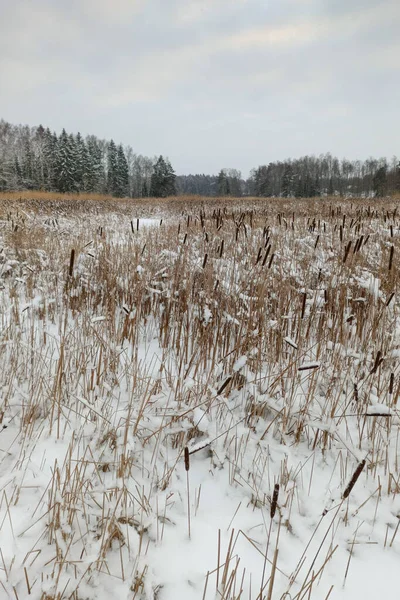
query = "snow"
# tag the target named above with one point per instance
(239, 364)
(98, 400)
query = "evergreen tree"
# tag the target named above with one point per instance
(262, 181)
(18, 174)
(379, 181)
(64, 171)
(39, 158)
(81, 160)
(122, 173)
(287, 181)
(163, 179)
(73, 162)
(112, 169)
(94, 172)
(223, 184)
(50, 142)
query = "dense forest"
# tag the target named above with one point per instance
(35, 158)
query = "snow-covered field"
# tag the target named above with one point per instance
(199, 400)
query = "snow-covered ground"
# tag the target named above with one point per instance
(161, 378)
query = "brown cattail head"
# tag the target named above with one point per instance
(71, 262)
(274, 500)
(187, 460)
(353, 480)
(391, 383)
(223, 386)
(391, 257)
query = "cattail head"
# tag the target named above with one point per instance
(187, 459)
(274, 502)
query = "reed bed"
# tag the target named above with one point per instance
(199, 405)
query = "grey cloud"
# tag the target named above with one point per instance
(211, 83)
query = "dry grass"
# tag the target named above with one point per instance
(127, 357)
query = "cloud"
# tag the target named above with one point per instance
(113, 12)
(221, 70)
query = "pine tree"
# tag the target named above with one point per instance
(163, 179)
(73, 162)
(49, 159)
(39, 158)
(94, 167)
(379, 182)
(64, 176)
(112, 169)
(81, 160)
(287, 181)
(122, 173)
(17, 173)
(223, 184)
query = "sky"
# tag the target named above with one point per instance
(209, 83)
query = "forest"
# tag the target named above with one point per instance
(36, 158)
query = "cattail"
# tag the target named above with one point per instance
(353, 480)
(271, 260)
(378, 361)
(71, 262)
(316, 242)
(187, 459)
(346, 252)
(388, 301)
(223, 386)
(266, 255)
(391, 383)
(205, 260)
(274, 500)
(391, 257)
(355, 393)
(221, 249)
(303, 306)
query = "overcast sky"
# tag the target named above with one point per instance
(209, 83)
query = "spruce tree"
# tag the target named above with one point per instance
(112, 169)
(73, 162)
(122, 173)
(49, 159)
(163, 179)
(287, 181)
(64, 181)
(223, 184)
(81, 160)
(379, 182)
(94, 166)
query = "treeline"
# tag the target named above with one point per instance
(326, 175)
(35, 158)
(305, 177)
(228, 182)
